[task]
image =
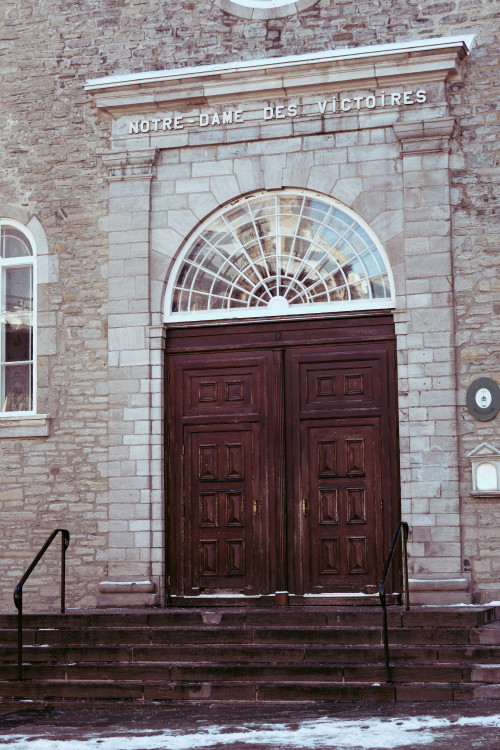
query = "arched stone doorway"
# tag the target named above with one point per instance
(281, 402)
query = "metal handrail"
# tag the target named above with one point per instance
(402, 526)
(18, 591)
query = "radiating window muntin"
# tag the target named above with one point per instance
(280, 252)
(17, 306)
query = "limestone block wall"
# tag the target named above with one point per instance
(365, 170)
(96, 471)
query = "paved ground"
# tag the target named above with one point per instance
(354, 726)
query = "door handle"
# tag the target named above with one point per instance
(304, 507)
(255, 508)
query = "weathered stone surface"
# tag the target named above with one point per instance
(105, 255)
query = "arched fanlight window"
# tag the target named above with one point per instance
(264, 9)
(17, 339)
(279, 252)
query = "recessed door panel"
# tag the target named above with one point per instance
(345, 499)
(221, 525)
(228, 390)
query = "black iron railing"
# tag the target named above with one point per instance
(18, 591)
(401, 532)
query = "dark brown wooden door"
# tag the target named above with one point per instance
(341, 467)
(282, 460)
(219, 433)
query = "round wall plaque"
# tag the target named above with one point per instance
(483, 399)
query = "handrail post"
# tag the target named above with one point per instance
(385, 631)
(18, 591)
(404, 542)
(402, 530)
(64, 547)
(20, 636)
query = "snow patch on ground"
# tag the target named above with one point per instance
(367, 734)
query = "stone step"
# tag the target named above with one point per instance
(173, 672)
(245, 691)
(257, 653)
(296, 651)
(253, 654)
(264, 617)
(242, 692)
(345, 635)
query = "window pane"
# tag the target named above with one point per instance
(18, 290)
(380, 287)
(18, 342)
(14, 244)
(17, 380)
(262, 205)
(245, 233)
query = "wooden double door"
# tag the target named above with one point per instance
(282, 457)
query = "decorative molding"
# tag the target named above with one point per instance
(379, 65)
(425, 137)
(131, 165)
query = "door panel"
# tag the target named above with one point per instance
(219, 499)
(340, 482)
(222, 490)
(339, 435)
(225, 391)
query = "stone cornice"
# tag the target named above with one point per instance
(425, 137)
(424, 60)
(130, 165)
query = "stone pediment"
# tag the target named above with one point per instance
(485, 450)
(424, 60)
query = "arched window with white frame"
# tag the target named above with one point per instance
(17, 318)
(279, 252)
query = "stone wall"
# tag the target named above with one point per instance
(51, 145)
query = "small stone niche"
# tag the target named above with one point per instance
(485, 461)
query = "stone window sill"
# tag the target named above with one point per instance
(493, 493)
(24, 425)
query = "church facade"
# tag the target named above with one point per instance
(250, 299)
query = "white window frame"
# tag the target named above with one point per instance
(260, 312)
(17, 263)
(263, 10)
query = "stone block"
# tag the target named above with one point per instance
(193, 185)
(323, 178)
(347, 190)
(224, 188)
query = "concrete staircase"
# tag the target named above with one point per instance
(254, 655)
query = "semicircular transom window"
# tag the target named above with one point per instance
(262, 10)
(280, 252)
